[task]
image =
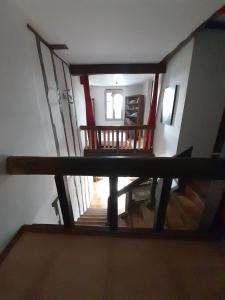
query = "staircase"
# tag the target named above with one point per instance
(93, 217)
(184, 209)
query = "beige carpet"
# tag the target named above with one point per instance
(63, 266)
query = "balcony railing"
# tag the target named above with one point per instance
(117, 139)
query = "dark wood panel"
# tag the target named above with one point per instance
(118, 166)
(58, 46)
(64, 200)
(142, 68)
(161, 205)
(113, 203)
(216, 25)
(220, 139)
(117, 152)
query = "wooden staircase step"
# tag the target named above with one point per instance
(196, 199)
(173, 216)
(200, 187)
(186, 209)
(93, 223)
(93, 217)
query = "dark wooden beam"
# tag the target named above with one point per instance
(142, 68)
(216, 25)
(192, 34)
(161, 205)
(58, 46)
(118, 166)
(113, 203)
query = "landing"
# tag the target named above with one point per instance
(66, 266)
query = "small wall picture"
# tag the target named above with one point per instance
(168, 105)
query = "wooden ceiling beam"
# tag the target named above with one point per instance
(94, 69)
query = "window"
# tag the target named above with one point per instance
(114, 104)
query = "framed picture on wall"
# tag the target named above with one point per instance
(168, 105)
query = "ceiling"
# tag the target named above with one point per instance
(116, 31)
(118, 79)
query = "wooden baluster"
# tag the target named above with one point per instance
(90, 139)
(113, 139)
(86, 139)
(161, 205)
(139, 139)
(121, 139)
(99, 142)
(149, 139)
(130, 139)
(135, 139)
(64, 200)
(126, 138)
(117, 139)
(113, 203)
(108, 139)
(104, 139)
(96, 140)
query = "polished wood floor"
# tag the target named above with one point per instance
(69, 266)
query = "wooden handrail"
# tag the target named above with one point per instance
(131, 186)
(213, 168)
(113, 167)
(125, 127)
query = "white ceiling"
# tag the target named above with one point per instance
(118, 79)
(116, 31)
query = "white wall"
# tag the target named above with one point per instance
(98, 93)
(22, 130)
(79, 101)
(147, 92)
(80, 104)
(166, 137)
(205, 98)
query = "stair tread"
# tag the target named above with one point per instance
(187, 211)
(93, 217)
(173, 216)
(91, 225)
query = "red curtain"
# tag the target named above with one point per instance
(89, 110)
(152, 114)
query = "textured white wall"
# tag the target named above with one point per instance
(23, 130)
(205, 100)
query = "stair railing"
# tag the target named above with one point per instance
(116, 138)
(114, 167)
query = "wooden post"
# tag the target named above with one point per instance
(135, 139)
(117, 140)
(64, 200)
(99, 139)
(161, 205)
(113, 203)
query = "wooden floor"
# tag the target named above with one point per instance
(70, 266)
